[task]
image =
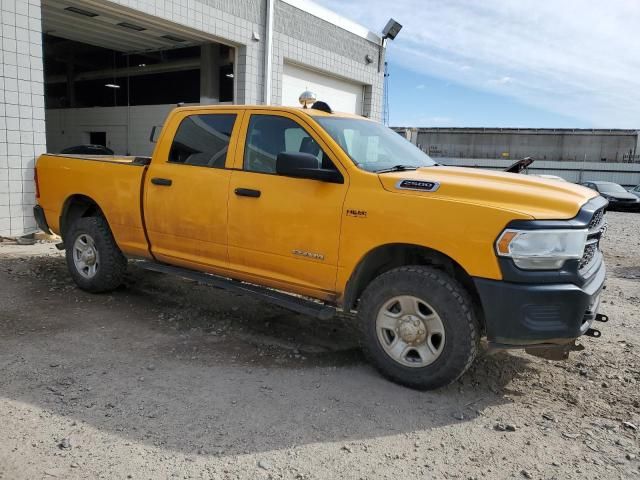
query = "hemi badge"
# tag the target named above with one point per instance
(351, 212)
(423, 186)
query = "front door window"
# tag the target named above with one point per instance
(270, 135)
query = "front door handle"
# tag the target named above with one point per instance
(247, 192)
(163, 182)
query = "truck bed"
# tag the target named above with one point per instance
(113, 182)
(119, 159)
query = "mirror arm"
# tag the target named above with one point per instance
(323, 174)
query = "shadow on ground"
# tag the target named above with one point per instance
(182, 366)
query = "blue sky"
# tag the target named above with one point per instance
(417, 99)
(505, 63)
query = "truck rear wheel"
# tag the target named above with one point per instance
(94, 260)
(418, 327)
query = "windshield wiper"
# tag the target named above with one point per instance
(397, 168)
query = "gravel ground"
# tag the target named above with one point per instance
(166, 378)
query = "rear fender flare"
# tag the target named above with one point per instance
(78, 206)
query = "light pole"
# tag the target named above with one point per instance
(390, 31)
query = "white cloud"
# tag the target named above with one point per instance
(579, 58)
(428, 121)
(435, 121)
(420, 87)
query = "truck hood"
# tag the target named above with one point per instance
(538, 198)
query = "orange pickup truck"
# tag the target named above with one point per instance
(323, 212)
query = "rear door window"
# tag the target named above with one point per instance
(203, 140)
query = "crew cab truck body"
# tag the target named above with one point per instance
(343, 212)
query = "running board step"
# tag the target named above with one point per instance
(296, 304)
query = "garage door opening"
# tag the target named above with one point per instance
(342, 95)
(108, 70)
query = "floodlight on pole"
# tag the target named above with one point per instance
(390, 31)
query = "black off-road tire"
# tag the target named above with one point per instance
(112, 263)
(454, 307)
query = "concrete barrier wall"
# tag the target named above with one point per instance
(626, 174)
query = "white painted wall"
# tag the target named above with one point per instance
(341, 95)
(67, 127)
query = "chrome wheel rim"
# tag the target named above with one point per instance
(410, 331)
(85, 256)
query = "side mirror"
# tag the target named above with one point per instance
(305, 165)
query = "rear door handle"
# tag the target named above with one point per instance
(247, 192)
(164, 182)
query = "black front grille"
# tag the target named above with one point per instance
(589, 254)
(597, 226)
(596, 219)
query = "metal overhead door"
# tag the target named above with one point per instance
(341, 95)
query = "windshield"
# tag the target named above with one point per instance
(610, 188)
(374, 147)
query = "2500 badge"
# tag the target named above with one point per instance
(302, 253)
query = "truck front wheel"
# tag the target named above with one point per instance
(418, 327)
(94, 260)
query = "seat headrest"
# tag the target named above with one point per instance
(309, 145)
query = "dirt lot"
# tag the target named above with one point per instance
(166, 378)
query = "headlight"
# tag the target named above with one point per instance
(541, 249)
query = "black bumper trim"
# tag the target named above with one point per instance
(520, 314)
(41, 219)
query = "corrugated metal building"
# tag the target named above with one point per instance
(576, 155)
(583, 145)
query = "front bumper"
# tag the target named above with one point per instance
(519, 315)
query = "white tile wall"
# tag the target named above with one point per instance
(21, 112)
